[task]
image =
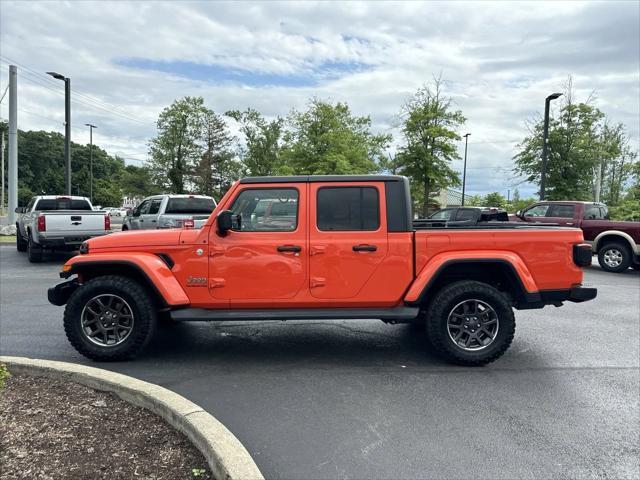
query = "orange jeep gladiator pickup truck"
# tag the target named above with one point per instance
(321, 247)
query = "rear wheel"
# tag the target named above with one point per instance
(470, 323)
(34, 251)
(21, 243)
(110, 318)
(614, 257)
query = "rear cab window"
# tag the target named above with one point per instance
(190, 205)
(348, 209)
(594, 212)
(62, 204)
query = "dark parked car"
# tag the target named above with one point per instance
(463, 216)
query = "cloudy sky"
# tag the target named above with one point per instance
(128, 60)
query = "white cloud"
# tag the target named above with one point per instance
(500, 60)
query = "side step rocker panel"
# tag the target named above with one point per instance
(397, 314)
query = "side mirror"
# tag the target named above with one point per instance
(19, 210)
(225, 222)
(129, 213)
(519, 214)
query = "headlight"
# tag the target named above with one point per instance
(84, 248)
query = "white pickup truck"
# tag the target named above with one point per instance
(57, 223)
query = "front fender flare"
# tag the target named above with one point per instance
(150, 266)
(439, 262)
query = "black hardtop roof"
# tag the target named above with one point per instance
(325, 178)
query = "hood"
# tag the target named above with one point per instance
(136, 238)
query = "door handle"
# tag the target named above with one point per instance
(289, 248)
(153, 221)
(364, 248)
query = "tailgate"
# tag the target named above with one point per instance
(70, 222)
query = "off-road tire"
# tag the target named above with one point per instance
(34, 251)
(443, 303)
(626, 257)
(142, 306)
(21, 243)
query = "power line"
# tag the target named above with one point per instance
(46, 82)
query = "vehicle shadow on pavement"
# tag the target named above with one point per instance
(264, 344)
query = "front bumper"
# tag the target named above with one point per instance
(59, 295)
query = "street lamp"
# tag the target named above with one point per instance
(545, 141)
(91, 127)
(67, 128)
(464, 169)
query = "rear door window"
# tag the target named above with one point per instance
(348, 209)
(593, 212)
(465, 214)
(561, 211)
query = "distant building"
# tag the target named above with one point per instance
(131, 202)
(451, 198)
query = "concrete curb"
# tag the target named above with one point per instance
(227, 457)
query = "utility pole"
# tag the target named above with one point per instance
(13, 143)
(91, 127)
(545, 142)
(2, 170)
(464, 169)
(67, 128)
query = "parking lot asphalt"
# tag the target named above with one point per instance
(361, 399)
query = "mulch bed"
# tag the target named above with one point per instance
(54, 429)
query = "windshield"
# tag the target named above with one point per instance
(190, 205)
(63, 204)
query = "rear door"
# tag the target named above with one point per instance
(347, 237)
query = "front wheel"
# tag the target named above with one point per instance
(110, 318)
(470, 323)
(614, 257)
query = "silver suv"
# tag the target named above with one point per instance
(169, 211)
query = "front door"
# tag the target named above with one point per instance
(347, 238)
(265, 257)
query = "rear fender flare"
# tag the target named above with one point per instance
(151, 267)
(438, 265)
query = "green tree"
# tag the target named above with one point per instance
(473, 201)
(262, 142)
(216, 168)
(430, 132)
(587, 157)
(136, 181)
(616, 163)
(495, 199)
(177, 147)
(328, 139)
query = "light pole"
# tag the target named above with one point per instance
(545, 141)
(67, 128)
(464, 168)
(91, 127)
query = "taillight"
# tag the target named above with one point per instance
(188, 223)
(42, 223)
(582, 254)
(107, 222)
